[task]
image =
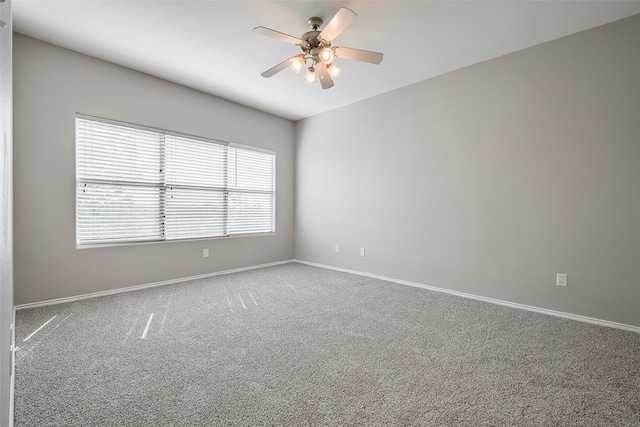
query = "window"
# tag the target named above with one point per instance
(138, 184)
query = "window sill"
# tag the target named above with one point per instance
(150, 242)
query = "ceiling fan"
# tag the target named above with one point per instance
(316, 47)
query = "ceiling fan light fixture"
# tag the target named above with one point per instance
(318, 50)
(310, 76)
(333, 69)
(326, 55)
(297, 63)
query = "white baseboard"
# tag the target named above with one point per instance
(571, 316)
(12, 377)
(138, 287)
(577, 317)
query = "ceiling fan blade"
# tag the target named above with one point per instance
(268, 32)
(359, 55)
(325, 78)
(275, 70)
(338, 23)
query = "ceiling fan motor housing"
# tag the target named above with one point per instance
(311, 40)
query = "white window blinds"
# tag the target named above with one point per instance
(141, 184)
(119, 192)
(196, 188)
(251, 204)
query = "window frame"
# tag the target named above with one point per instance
(163, 187)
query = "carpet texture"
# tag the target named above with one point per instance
(296, 345)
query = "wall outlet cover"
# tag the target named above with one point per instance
(561, 279)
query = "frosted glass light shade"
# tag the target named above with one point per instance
(333, 70)
(326, 55)
(310, 76)
(297, 63)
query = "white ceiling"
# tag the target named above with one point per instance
(209, 45)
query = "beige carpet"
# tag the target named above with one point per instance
(295, 345)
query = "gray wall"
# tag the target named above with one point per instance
(51, 84)
(6, 211)
(490, 179)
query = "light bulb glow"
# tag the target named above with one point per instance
(310, 76)
(333, 70)
(326, 55)
(297, 63)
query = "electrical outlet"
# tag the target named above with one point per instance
(337, 248)
(561, 280)
(205, 253)
(361, 251)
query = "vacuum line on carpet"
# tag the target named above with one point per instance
(135, 321)
(164, 318)
(229, 302)
(287, 283)
(242, 302)
(38, 330)
(146, 328)
(45, 336)
(251, 295)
